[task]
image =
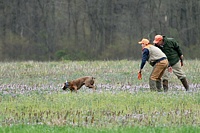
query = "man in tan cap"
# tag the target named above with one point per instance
(175, 57)
(157, 59)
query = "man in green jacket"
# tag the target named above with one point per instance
(175, 57)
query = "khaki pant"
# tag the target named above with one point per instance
(177, 70)
(158, 70)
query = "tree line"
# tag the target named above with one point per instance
(94, 29)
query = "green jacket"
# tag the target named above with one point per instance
(171, 49)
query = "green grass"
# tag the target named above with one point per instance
(31, 99)
(66, 129)
(103, 109)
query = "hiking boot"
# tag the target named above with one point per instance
(165, 85)
(152, 84)
(158, 85)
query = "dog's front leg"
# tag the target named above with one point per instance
(75, 88)
(94, 88)
(91, 86)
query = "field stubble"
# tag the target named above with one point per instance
(31, 94)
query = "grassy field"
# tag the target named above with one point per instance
(31, 99)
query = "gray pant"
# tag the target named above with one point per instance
(177, 70)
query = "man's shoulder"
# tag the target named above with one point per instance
(170, 39)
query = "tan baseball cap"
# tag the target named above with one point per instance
(144, 41)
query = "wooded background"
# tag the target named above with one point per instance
(46, 30)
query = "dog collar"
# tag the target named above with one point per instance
(67, 84)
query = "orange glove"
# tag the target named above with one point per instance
(139, 75)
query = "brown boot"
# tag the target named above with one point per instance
(185, 84)
(165, 85)
(158, 85)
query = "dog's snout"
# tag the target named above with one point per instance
(64, 88)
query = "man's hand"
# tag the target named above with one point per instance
(170, 69)
(181, 58)
(181, 63)
(140, 75)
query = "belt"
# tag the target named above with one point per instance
(163, 58)
(152, 63)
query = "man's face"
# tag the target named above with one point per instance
(160, 43)
(143, 45)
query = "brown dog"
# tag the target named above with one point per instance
(76, 84)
